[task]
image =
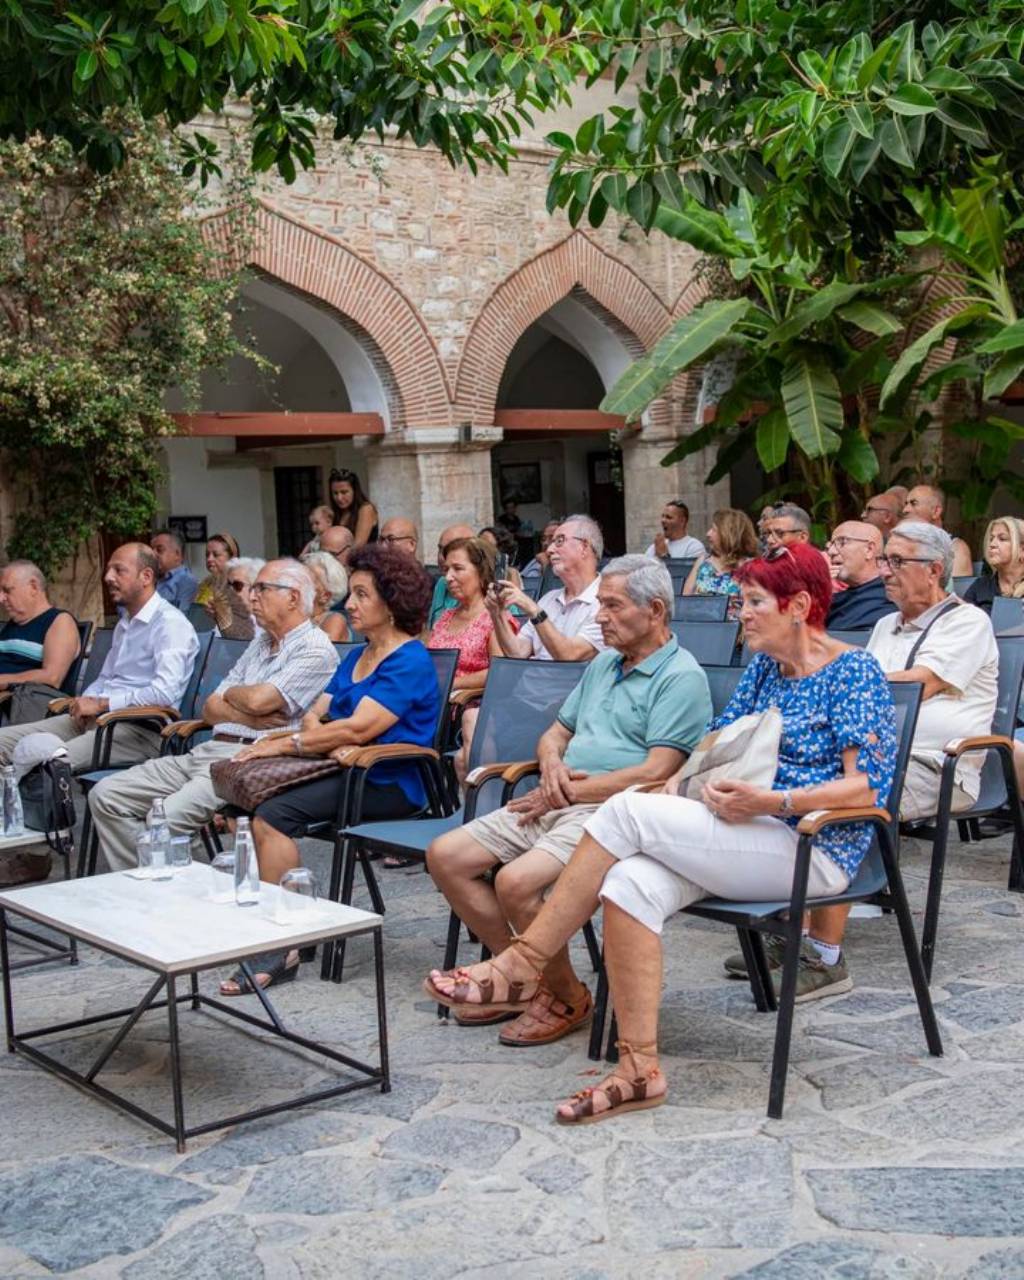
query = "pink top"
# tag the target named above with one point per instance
(472, 643)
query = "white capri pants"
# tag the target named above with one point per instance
(673, 852)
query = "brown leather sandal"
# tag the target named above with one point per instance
(517, 994)
(637, 1100)
(548, 1018)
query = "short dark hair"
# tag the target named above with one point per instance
(401, 582)
(174, 536)
(680, 505)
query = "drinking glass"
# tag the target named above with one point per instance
(298, 896)
(222, 872)
(152, 857)
(180, 851)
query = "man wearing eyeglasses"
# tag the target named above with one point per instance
(400, 534)
(926, 502)
(853, 552)
(273, 684)
(884, 511)
(784, 524)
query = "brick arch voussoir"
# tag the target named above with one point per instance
(324, 268)
(534, 288)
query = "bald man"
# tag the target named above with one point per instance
(442, 600)
(337, 541)
(401, 534)
(884, 511)
(853, 552)
(926, 502)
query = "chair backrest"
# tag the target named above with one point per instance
(188, 698)
(1007, 612)
(532, 586)
(711, 643)
(521, 701)
(97, 656)
(722, 682)
(221, 656)
(858, 638)
(700, 608)
(200, 619)
(678, 571)
(962, 581)
(69, 685)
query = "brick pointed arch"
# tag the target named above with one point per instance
(322, 267)
(531, 290)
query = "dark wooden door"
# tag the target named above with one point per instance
(607, 503)
(297, 492)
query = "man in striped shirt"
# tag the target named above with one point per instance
(271, 687)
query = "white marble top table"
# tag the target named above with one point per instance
(175, 926)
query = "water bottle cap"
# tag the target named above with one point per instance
(242, 824)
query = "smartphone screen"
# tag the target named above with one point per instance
(501, 566)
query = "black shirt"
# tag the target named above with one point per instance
(858, 608)
(982, 591)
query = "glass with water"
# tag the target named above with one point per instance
(152, 857)
(12, 819)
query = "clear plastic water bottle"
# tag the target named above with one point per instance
(247, 869)
(159, 842)
(13, 814)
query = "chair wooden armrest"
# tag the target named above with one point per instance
(811, 823)
(58, 706)
(514, 773)
(365, 757)
(171, 715)
(958, 746)
(509, 772)
(462, 697)
(183, 728)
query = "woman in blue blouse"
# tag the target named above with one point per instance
(648, 855)
(383, 692)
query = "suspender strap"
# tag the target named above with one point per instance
(950, 604)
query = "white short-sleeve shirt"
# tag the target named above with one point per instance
(576, 616)
(960, 648)
(686, 548)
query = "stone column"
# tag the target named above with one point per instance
(648, 485)
(434, 476)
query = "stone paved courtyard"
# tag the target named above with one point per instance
(887, 1163)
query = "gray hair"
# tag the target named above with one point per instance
(790, 511)
(28, 570)
(590, 530)
(647, 580)
(249, 565)
(933, 541)
(292, 573)
(335, 577)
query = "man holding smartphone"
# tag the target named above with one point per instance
(562, 625)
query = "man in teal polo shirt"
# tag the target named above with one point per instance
(638, 711)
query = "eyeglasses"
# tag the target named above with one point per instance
(842, 541)
(562, 539)
(896, 563)
(780, 533)
(881, 510)
(238, 584)
(258, 588)
(392, 538)
(776, 553)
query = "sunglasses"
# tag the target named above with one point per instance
(238, 584)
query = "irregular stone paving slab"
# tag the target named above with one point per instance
(985, 1008)
(336, 1184)
(674, 1195)
(221, 1248)
(967, 1109)
(557, 1175)
(113, 1209)
(270, 1140)
(864, 1003)
(453, 1141)
(440, 1240)
(868, 1079)
(408, 1095)
(932, 1201)
(1003, 1264)
(838, 1260)
(894, 1037)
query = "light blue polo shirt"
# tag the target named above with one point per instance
(616, 718)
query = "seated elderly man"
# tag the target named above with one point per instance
(38, 643)
(853, 552)
(151, 655)
(177, 584)
(338, 541)
(638, 711)
(271, 687)
(884, 511)
(401, 534)
(563, 624)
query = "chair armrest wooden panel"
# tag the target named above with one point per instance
(485, 772)
(148, 712)
(812, 823)
(958, 746)
(462, 697)
(183, 728)
(517, 772)
(58, 706)
(365, 757)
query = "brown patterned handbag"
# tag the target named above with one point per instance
(247, 783)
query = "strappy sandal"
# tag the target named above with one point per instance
(638, 1100)
(273, 964)
(548, 1018)
(517, 996)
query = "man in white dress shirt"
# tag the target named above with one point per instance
(150, 660)
(270, 688)
(562, 625)
(674, 541)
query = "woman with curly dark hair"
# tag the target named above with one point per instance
(385, 691)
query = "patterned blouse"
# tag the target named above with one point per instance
(709, 582)
(472, 643)
(846, 703)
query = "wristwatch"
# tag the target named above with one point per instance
(540, 616)
(786, 807)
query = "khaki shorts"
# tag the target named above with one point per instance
(557, 832)
(921, 790)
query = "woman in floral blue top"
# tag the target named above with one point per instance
(645, 856)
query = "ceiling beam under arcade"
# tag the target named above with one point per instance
(277, 430)
(557, 421)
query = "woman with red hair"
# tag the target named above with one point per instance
(646, 856)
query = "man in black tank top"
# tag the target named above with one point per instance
(37, 645)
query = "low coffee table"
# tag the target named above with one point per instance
(49, 948)
(176, 930)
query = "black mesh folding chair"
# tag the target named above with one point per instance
(962, 582)
(678, 571)
(857, 638)
(1007, 613)
(999, 795)
(520, 701)
(87, 669)
(878, 880)
(722, 682)
(700, 608)
(713, 644)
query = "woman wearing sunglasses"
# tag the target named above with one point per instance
(646, 856)
(352, 508)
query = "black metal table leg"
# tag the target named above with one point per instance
(382, 1010)
(8, 1000)
(172, 1027)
